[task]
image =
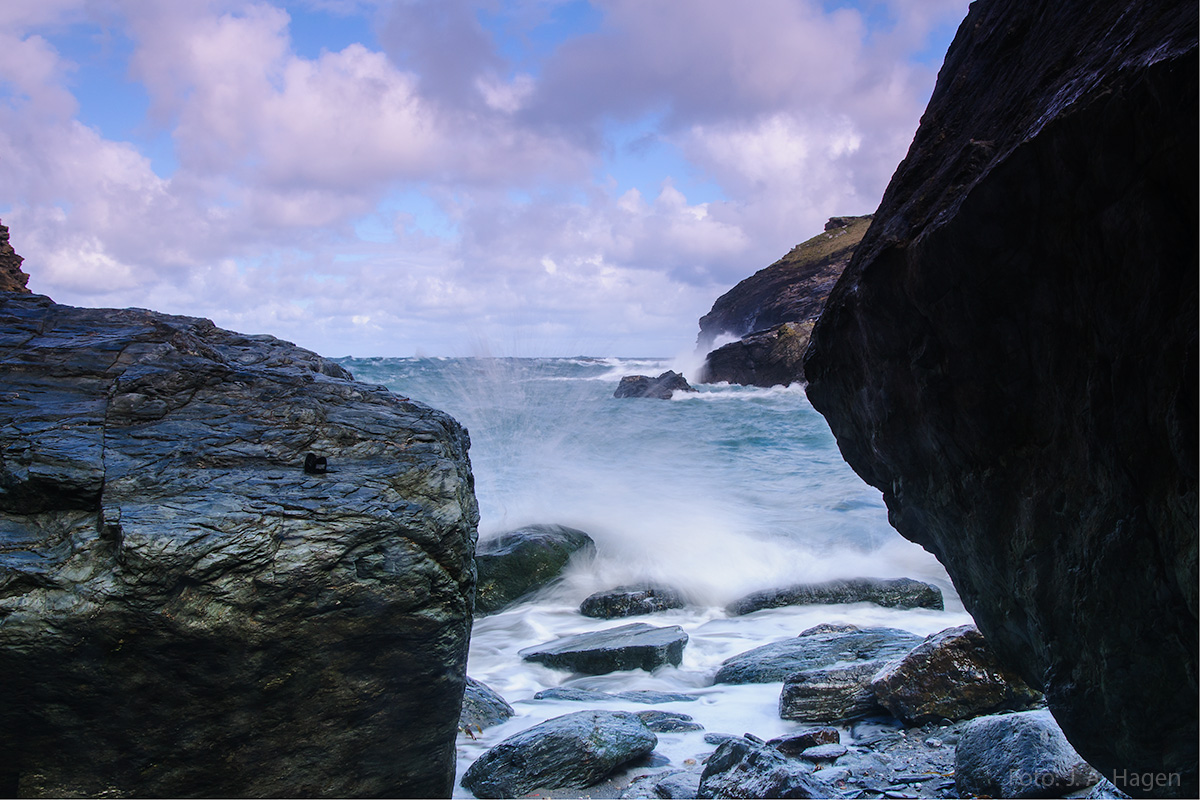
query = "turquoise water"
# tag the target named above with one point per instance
(718, 493)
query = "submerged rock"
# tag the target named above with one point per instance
(668, 722)
(822, 646)
(831, 694)
(519, 562)
(634, 646)
(951, 675)
(629, 601)
(571, 751)
(660, 388)
(1011, 359)
(747, 768)
(482, 707)
(891, 593)
(186, 612)
(646, 696)
(1018, 755)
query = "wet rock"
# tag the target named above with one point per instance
(634, 646)
(1011, 358)
(668, 722)
(745, 768)
(824, 752)
(770, 357)
(185, 611)
(796, 743)
(952, 675)
(894, 593)
(571, 751)
(628, 601)
(822, 646)
(831, 694)
(671, 784)
(482, 706)
(1023, 754)
(660, 388)
(647, 696)
(518, 563)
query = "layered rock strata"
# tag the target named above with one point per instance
(12, 277)
(184, 609)
(1011, 358)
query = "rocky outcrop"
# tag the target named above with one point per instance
(763, 358)
(518, 563)
(630, 601)
(12, 278)
(634, 646)
(571, 751)
(185, 610)
(822, 646)
(1011, 358)
(1018, 755)
(660, 388)
(892, 593)
(749, 768)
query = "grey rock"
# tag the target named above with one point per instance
(796, 743)
(482, 706)
(1011, 359)
(1023, 754)
(572, 751)
(633, 646)
(185, 611)
(824, 752)
(953, 674)
(831, 694)
(628, 601)
(815, 648)
(719, 738)
(668, 722)
(744, 768)
(647, 696)
(891, 593)
(671, 784)
(660, 388)
(770, 357)
(518, 563)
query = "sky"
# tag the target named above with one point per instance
(447, 177)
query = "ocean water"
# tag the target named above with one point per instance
(717, 493)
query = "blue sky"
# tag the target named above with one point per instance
(447, 177)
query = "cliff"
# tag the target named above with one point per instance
(1011, 358)
(12, 279)
(189, 606)
(773, 310)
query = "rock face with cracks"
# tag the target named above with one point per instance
(184, 610)
(1011, 358)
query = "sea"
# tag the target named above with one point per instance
(717, 493)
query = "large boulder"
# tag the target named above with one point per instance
(482, 707)
(891, 593)
(953, 674)
(748, 768)
(571, 751)
(186, 610)
(520, 562)
(661, 388)
(830, 694)
(630, 601)
(771, 357)
(1018, 755)
(822, 646)
(1011, 359)
(634, 646)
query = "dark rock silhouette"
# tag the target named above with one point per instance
(12, 278)
(1011, 358)
(660, 388)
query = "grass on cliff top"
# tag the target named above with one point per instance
(826, 246)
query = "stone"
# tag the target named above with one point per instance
(668, 722)
(1011, 360)
(891, 593)
(812, 649)
(953, 675)
(12, 277)
(633, 646)
(795, 743)
(1023, 754)
(518, 563)
(771, 357)
(647, 696)
(660, 388)
(745, 768)
(670, 784)
(572, 751)
(482, 707)
(824, 752)
(628, 601)
(831, 694)
(185, 611)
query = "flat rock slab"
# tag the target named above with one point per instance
(818, 647)
(634, 646)
(892, 593)
(629, 601)
(831, 694)
(796, 743)
(571, 751)
(646, 696)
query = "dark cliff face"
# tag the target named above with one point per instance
(12, 279)
(1011, 359)
(185, 609)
